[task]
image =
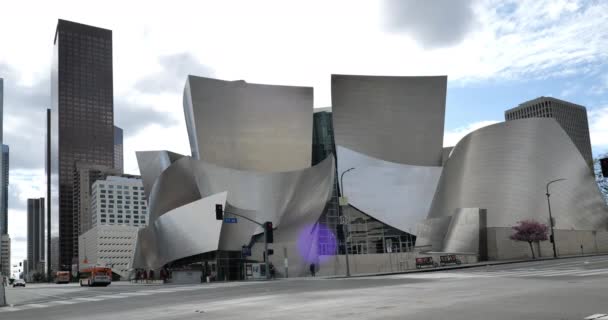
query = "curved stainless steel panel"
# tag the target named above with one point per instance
(463, 233)
(396, 119)
(175, 187)
(292, 200)
(397, 194)
(152, 164)
(249, 126)
(182, 232)
(505, 167)
(289, 199)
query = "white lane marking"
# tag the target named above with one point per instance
(135, 293)
(9, 309)
(567, 273)
(64, 302)
(593, 273)
(87, 299)
(36, 305)
(595, 316)
(602, 318)
(111, 296)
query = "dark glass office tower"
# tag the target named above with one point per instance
(118, 146)
(82, 119)
(35, 235)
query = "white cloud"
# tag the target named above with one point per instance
(451, 137)
(154, 137)
(598, 127)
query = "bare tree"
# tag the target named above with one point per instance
(530, 231)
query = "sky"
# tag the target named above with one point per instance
(496, 55)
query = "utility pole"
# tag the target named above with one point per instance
(344, 221)
(550, 216)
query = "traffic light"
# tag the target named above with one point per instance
(270, 252)
(219, 212)
(268, 231)
(604, 165)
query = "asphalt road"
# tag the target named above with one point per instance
(557, 289)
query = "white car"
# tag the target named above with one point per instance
(19, 283)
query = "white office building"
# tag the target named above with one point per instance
(110, 246)
(118, 201)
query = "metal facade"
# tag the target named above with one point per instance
(291, 200)
(396, 119)
(504, 168)
(249, 126)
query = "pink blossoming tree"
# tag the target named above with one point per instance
(530, 231)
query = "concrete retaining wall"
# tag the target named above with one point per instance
(378, 263)
(568, 242)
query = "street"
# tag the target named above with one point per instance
(572, 288)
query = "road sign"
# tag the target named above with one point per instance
(229, 220)
(246, 251)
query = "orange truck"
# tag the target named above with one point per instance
(96, 276)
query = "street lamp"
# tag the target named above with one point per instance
(550, 216)
(344, 228)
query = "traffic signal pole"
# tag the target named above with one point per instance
(263, 225)
(266, 254)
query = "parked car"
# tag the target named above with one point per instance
(19, 283)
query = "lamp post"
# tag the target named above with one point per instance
(550, 216)
(344, 228)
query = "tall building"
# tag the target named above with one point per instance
(3, 169)
(82, 119)
(118, 201)
(571, 117)
(4, 188)
(54, 253)
(118, 147)
(5, 254)
(35, 235)
(84, 176)
(112, 246)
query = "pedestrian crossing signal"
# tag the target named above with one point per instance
(219, 212)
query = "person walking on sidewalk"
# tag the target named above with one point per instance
(312, 269)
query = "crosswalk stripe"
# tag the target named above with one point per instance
(594, 316)
(9, 309)
(135, 293)
(87, 299)
(36, 305)
(594, 273)
(64, 302)
(111, 296)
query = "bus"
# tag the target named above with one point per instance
(96, 276)
(62, 277)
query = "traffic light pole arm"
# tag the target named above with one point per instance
(265, 240)
(238, 215)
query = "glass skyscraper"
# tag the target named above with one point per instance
(118, 145)
(82, 119)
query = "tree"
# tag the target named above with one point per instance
(530, 231)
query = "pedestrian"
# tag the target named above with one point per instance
(312, 269)
(272, 270)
